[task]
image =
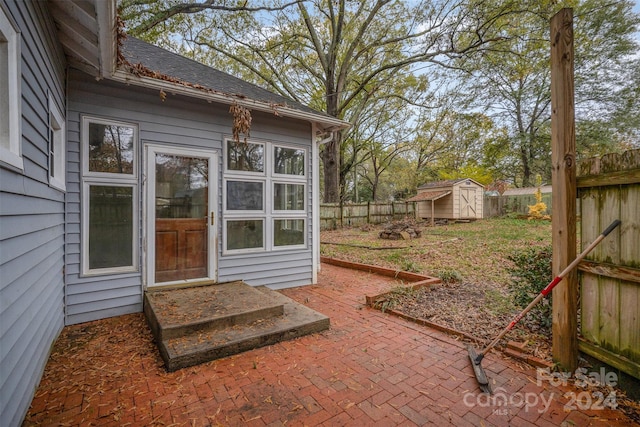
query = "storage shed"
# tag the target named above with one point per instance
(451, 199)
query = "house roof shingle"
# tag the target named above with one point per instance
(187, 70)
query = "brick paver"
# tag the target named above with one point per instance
(370, 368)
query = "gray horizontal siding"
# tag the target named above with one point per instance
(277, 269)
(31, 222)
(176, 121)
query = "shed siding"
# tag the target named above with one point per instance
(31, 222)
(176, 121)
(450, 206)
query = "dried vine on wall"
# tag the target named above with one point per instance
(241, 122)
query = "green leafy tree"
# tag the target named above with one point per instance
(337, 56)
(513, 84)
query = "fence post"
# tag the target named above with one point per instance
(369, 212)
(563, 178)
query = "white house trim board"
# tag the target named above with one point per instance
(11, 105)
(315, 205)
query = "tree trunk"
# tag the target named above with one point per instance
(524, 158)
(331, 167)
(331, 153)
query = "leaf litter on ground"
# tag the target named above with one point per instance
(479, 304)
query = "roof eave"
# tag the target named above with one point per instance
(324, 123)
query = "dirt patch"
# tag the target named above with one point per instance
(472, 257)
(466, 307)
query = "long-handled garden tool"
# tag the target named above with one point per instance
(476, 358)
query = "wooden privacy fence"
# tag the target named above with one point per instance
(501, 205)
(609, 189)
(335, 215)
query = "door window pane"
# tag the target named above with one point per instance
(111, 148)
(288, 197)
(245, 196)
(288, 232)
(245, 234)
(289, 161)
(110, 226)
(246, 157)
(181, 186)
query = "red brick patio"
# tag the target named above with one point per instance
(370, 368)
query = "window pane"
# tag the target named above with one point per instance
(244, 196)
(110, 227)
(288, 197)
(111, 148)
(245, 157)
(289, 161)
(288, 232)
(182, 186)
(245, 234)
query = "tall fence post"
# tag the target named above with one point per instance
(563, 177)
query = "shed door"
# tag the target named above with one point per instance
(181, 215)
(468, 202)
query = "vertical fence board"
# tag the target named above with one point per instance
(610, 299)
(630, 227)
(589, 201)
(609, 313)
(629, 320)
(610, 211)
(590, 307)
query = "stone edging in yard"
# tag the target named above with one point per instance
(514, 350)
(416, 280)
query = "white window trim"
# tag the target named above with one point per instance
(108, 179)
(57, 180)
(261, 249)
(11, 151)
(86, 120)
(135, 253)
(241, 213)
(285, 212)
(289, 247)
(234, 172)
(286, 176)
(268, 215)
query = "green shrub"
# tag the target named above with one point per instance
(450, 276)
(531, 273)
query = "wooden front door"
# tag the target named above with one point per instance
(181, 220)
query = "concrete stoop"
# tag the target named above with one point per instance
(203, 323)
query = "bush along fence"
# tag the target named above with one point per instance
(495, 206)
(609, 189)
(336, 215)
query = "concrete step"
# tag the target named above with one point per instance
(174, 313)
(202, 344)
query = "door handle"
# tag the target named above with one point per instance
(212, 217)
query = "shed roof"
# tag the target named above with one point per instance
(429, 195)
(447, 183)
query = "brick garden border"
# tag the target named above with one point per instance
(514, 349)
